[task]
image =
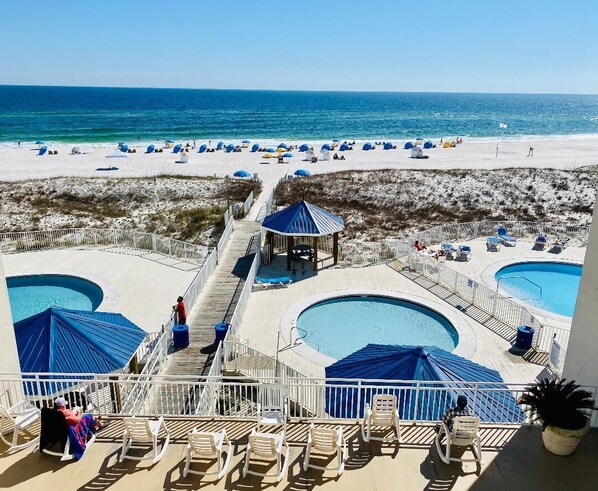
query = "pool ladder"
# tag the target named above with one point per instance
(518, 278)
(297, 342)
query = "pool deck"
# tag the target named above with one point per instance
(261, 321)
(142, 289)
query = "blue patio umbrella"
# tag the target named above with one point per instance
(177, 148)
(270, 150)
(283, 145)
(61, 340)
(367, 146)
(42, 150)
(428, 144)
(229, 148)
(343, 147)
(304, 147)
(287, 154)
(245, 141)
(255, 148)
(489, 399)
(202, 148)
(220, 145)
(40, 142)
(408, 145)
(302, 173)
(326, 146)
(388, 146)
(242, 173)
(150, 149)
(124, 148)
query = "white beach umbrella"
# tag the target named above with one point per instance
(116, 154)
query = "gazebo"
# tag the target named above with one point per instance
(304, 220)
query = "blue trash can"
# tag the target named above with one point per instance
(180, 336)
(221, 330)
(525, 336)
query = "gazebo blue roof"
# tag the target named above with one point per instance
(303, 219)
(72, 341)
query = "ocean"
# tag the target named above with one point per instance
(108, 115)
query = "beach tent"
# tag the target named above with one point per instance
(326, 146)
(388, 146)
(255, 148)
(408, 145)
(168, 143)
(230, 148)
(242, 174)
(283, 145)
(220, 145)
(124, 148)
(42, 150)
(302, 173)
(417, 152)
(177, 148)
(304, 147)
(61, 340)
(367, 146)
(325, 155)
(150, 149)
(343, 147)
(202, 148)
(287, 154)
(434, 368)
(75, 151)
(428, 144)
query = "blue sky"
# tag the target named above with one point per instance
(459, 46)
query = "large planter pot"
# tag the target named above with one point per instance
(562, 442)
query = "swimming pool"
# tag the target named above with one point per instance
(342, 325)
(547, 285)
(30, 295)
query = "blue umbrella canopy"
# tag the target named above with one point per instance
(287, 154)
(270, 150)
(304, 147)
(169, 141)
(42, 150)
(428, 144)
(326, 146)
(489, 400)
(255, 148)
(220, 145)
(302, 173)
(388, 146)
(150, 149)
(202, 148)
(242, 173)
(73, 341)
(367, 146)
(343, 147)
(124, 148)
(40, 142)
(408, 145)
(229, 148)
(177, 148)
(283, 145)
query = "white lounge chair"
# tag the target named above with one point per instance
(272, 407)
(465, 433)
(325, 441)
(559, 245)
(17, 418)
(464, 253)
(492, 244)
(383, 412)
(267, 446)
(505, 238)
(449, 250)
(207, 445)
(143, 430)
(283, 281)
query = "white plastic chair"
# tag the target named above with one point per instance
(18, 417)
(267, 446)
(326, 441)
(272, 408)
(465, 433)
(383, 412)
(143, 430)
(207, 445)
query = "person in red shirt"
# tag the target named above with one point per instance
(179, 310)
(419, 247)
(74, 416)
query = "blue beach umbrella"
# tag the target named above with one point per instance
(428, 144)
(336, 140)
(242, 173)
(177, 148)
(42, 150)
(220, 145)
(230, 148)
(367, 146)
(150, 149)
(326, 146)
(304, 147)
(124, 148)
(245, 141)
(40, 142)
(489, 400)
(388, 146)
(287, 154)
(343, 147)
(255, 148)
(408, 145)
(302, 173)
(202, 148)
(270, 150)
(283, 145)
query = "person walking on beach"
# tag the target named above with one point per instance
(180, 312)
(19, 144)
(530, 152)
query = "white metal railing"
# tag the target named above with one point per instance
(116, 240)
(266, 209)
(329, 399)
(228, 230)
(247, 203)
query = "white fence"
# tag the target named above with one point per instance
(123, 241)
(247, 204)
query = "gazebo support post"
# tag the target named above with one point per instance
(315, 253)
(289, 251)
(335, 248)
(270, 243)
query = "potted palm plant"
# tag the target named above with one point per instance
(563, 410)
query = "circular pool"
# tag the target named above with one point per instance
(546, 285)
(343, 324)
(30, 295)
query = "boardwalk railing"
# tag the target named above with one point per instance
(123, 241)
(330, 399)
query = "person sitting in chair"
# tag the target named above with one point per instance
(75, 417)
(461, 409)
(419, 247)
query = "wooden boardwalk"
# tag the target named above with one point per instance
(216, 304)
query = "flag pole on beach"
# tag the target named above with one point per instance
(502, 126)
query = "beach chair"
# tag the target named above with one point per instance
(505, 238)
(54, 434)
(465, 433)
(541, 242)
(17, 418)
(143, 430)
(559, 245)
(283, 281)
(464, 253)
(325, 442)
(492, 244)
(207, 445)
(449, 250)
(383, 413)
(267, 446)
(272, 407)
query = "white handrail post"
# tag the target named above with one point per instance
(358, 399)
(416, 405)
(39, 389)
